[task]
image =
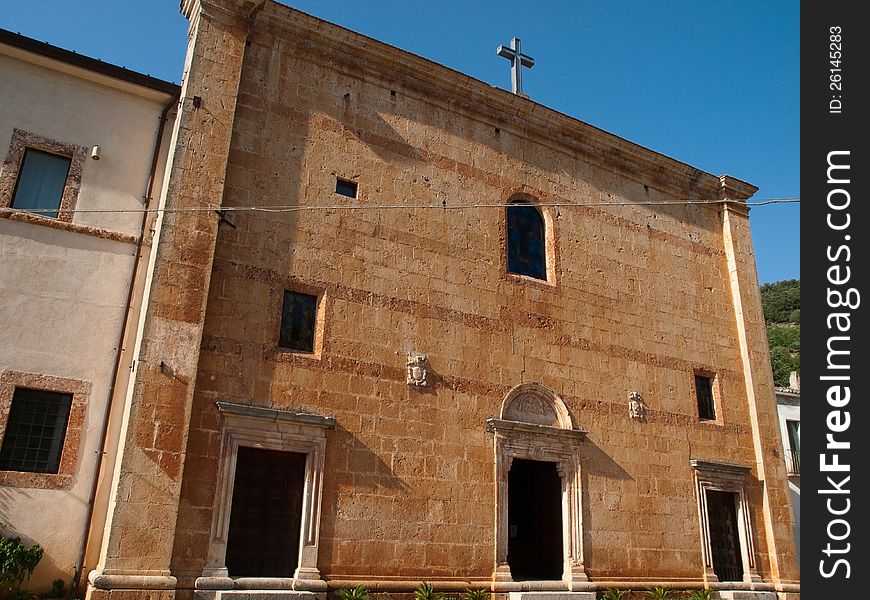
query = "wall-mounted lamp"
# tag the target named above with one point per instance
(95, 152)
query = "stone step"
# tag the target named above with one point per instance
(263, 595)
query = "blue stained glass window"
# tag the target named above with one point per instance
(526, 253)
(41, 181)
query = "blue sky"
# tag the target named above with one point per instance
(713, 84)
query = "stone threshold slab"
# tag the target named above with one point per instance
(255, 595)
(551, 595)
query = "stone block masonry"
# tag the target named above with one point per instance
(638, 298)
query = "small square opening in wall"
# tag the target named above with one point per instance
(35, 431)
(345, 187)
(298, 321)
(704, 393)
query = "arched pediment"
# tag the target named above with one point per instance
(536, 404)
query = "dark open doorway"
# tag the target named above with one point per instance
(724, 539)
(263, 539)
(534, 521)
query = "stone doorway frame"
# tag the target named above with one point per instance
(725, 477)
(270, 429)
(535, 424)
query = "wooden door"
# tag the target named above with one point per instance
(724, 539)
(265, 519)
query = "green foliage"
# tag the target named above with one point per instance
(658, 593)
(782, 311)
(783, 363)
(17, 562)
(706, 594)
(357, 593)
(780, 299)
(475, 595)
(614, 594)
(427, 592)
(787, 337)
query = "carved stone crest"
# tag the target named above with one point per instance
(636, 406)
(530, 408)
(418, 369)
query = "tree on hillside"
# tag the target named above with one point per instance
(782, 309)
(782, 301)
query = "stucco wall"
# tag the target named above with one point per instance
(788, 409)
(63, 290)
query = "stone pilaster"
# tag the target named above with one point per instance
(778, 546)
(140, 532)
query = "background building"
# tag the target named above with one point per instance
(78, 137)
(788, 408)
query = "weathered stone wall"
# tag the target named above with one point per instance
(139, 541)
(640, 298)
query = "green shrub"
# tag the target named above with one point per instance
(614, 594)
(357, 593)
(475, 595)
(700, 595)
(658, 593)
(16, 566)
(427, 592)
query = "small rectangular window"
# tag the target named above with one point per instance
(35, 431)
(346, 188)
(41, 181)
(794, 442)
(704, 391)
(298, 321)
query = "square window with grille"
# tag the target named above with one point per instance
(298, 321)
(35, 431)
(704, 392)
(41, 182)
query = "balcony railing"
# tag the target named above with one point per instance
(793, 462)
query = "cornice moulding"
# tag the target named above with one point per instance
(603, 147)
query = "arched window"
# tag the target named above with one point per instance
(526, 254)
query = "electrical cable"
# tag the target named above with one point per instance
(443, 206)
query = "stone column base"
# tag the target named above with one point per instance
(102, 586)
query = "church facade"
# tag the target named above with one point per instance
(403, 326)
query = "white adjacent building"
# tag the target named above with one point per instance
(788, 407)
(83, 145)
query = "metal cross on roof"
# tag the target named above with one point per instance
(518, 61)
